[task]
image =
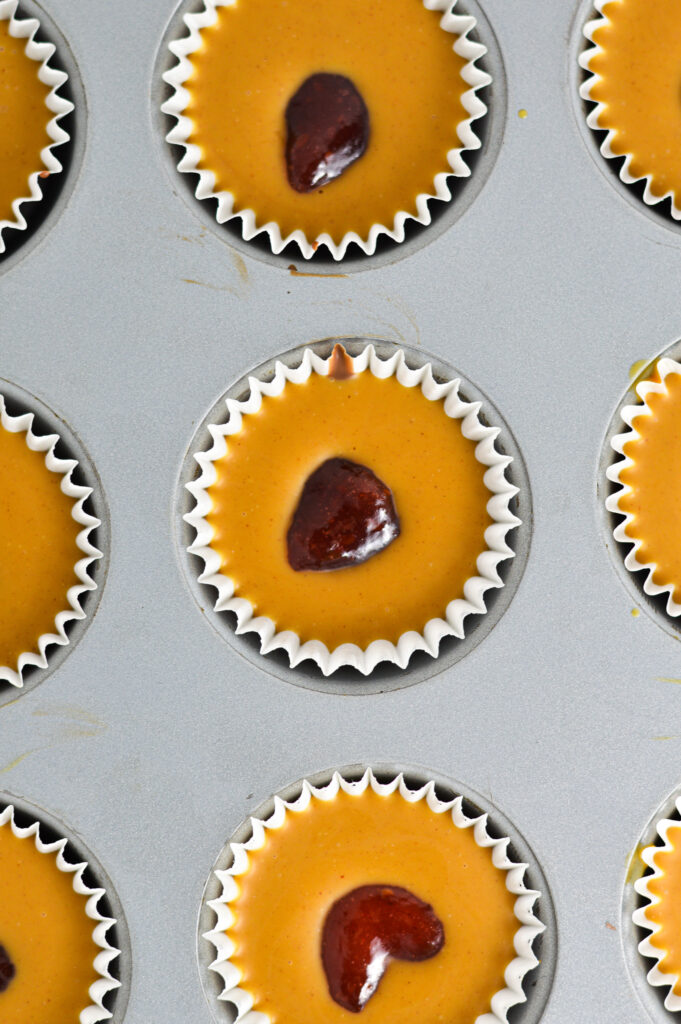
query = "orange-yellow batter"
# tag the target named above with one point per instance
(24, 117)
(640, 85)
(38, 549)
(655, 499)
(412, 446)
(256, 56)
(331, 848)
(45, 931)
(667, 913)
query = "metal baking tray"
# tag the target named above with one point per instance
(128, 315)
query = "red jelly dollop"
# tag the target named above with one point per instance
(367, 928)
(344, 516)
(7, 969)
(327, 129)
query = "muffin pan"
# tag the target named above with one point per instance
(132, 316)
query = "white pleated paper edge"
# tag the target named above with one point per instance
(475, 588)
(640, 918)
(64, 467)
(592, 119)
(26, 28)
(629, 414)
(475, 78)
(105, 983)
(529, 926)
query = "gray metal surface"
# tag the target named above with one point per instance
(154, 738)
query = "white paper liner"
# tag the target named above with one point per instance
(475, 588)
(592, 119)
(475, 78)
(630, 413)
(529, 926)
(26, 28)
(73, 610)
(640, 918)
(105, 983)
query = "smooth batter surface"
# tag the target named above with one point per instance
(329, 849)
(667, 912)
(655, 501)
(38, 550)
(23, 120)
(258, 54)
(412, 446)
(640, 85)
(45, 930)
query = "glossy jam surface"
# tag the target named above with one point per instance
(640, 86)
(38, 550)
(345, 516)
(655, 498)
(327, 129)
(667, 913)
(366, 929)
(257, 55)
(410, 443)
(332, 847)
(45, 930)
(23, 120)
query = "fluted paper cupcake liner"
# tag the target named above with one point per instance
(529, 926)
(630, 414)
(73, 609)
(593, 116)
(105, 983)
(656, 977)
(458, 25)
(379, 650)
(41, 53)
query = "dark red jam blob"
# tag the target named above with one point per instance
(367, 928)
(344, 516)
(327, 129)
(7, 969)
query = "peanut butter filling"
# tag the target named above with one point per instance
(667, 912)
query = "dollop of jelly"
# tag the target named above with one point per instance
(327, 129)
(367, 928)
(345, 515)
(7, 969)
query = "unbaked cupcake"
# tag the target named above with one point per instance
(30, 110)
(46, 553)
(635, 83)
(55, 952)
(352, 510)
(659, 916)
(375, 897)
(340, 134)
(648, 498)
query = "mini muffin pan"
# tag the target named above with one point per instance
(132, 312)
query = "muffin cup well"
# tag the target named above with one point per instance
(458, 25)
(655, 976)
(379, 650)
(593, 116)
(41, 53)
(105, 983)
(630, 414)
(529, 926)
(38, 657)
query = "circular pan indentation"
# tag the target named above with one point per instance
(659, 213)
(464, 191)
(651, 998)
(41, 215)
(385, 676)
(653, 605)
(69, 446)
(109, 905)
(538, 982)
